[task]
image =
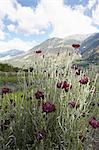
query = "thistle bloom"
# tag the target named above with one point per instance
(94, 123)
(39, 95)
(48, 107)
(6, 90)
(84, 80)
(38, 51)
(76, 46)
(40, 135)
(66, 86)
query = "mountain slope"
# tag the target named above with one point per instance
(51, 47)
(58, 44)
(90, 43)
(90, 49)
(10, 53)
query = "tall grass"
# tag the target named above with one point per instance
(66, 128)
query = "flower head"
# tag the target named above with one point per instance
(76, 46)
(94, 123)
(84, 80)
(66, 86)
(6, 90)
(40, 135)
(38, 51)
(48, 107)
(39, 95)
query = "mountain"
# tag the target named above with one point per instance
(10, 54)
(50, 47)
(58, 44)
(90, 43)
(90, 49)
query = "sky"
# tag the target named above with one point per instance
(26, 23)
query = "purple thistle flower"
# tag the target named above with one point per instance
(40, 135)
(48, 107)
(39, 95)
(66, 86)
(94, 123)
(38, 51)
(84, 80)
(6, 90)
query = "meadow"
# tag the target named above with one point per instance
(55, 108)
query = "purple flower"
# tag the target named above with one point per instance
(38, 51)
(84, 80)
(48, 107)
(97, 124)
(66, 86)
(94, 123)
(40, 135)
(39, 95)
(76, 46)
(6, 90)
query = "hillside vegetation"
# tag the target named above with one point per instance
(8, 68)
(56, 108)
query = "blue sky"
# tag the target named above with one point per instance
(32, 3)
(26, 23)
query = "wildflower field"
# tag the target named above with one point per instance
(55, 108)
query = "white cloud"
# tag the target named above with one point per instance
(63, 19)
(16, 43)
(91, 3)
(95, 14)
(66, 21)
(7, 7)
(2, 35)
(32, 22)
(29, 21)
(11, 28)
